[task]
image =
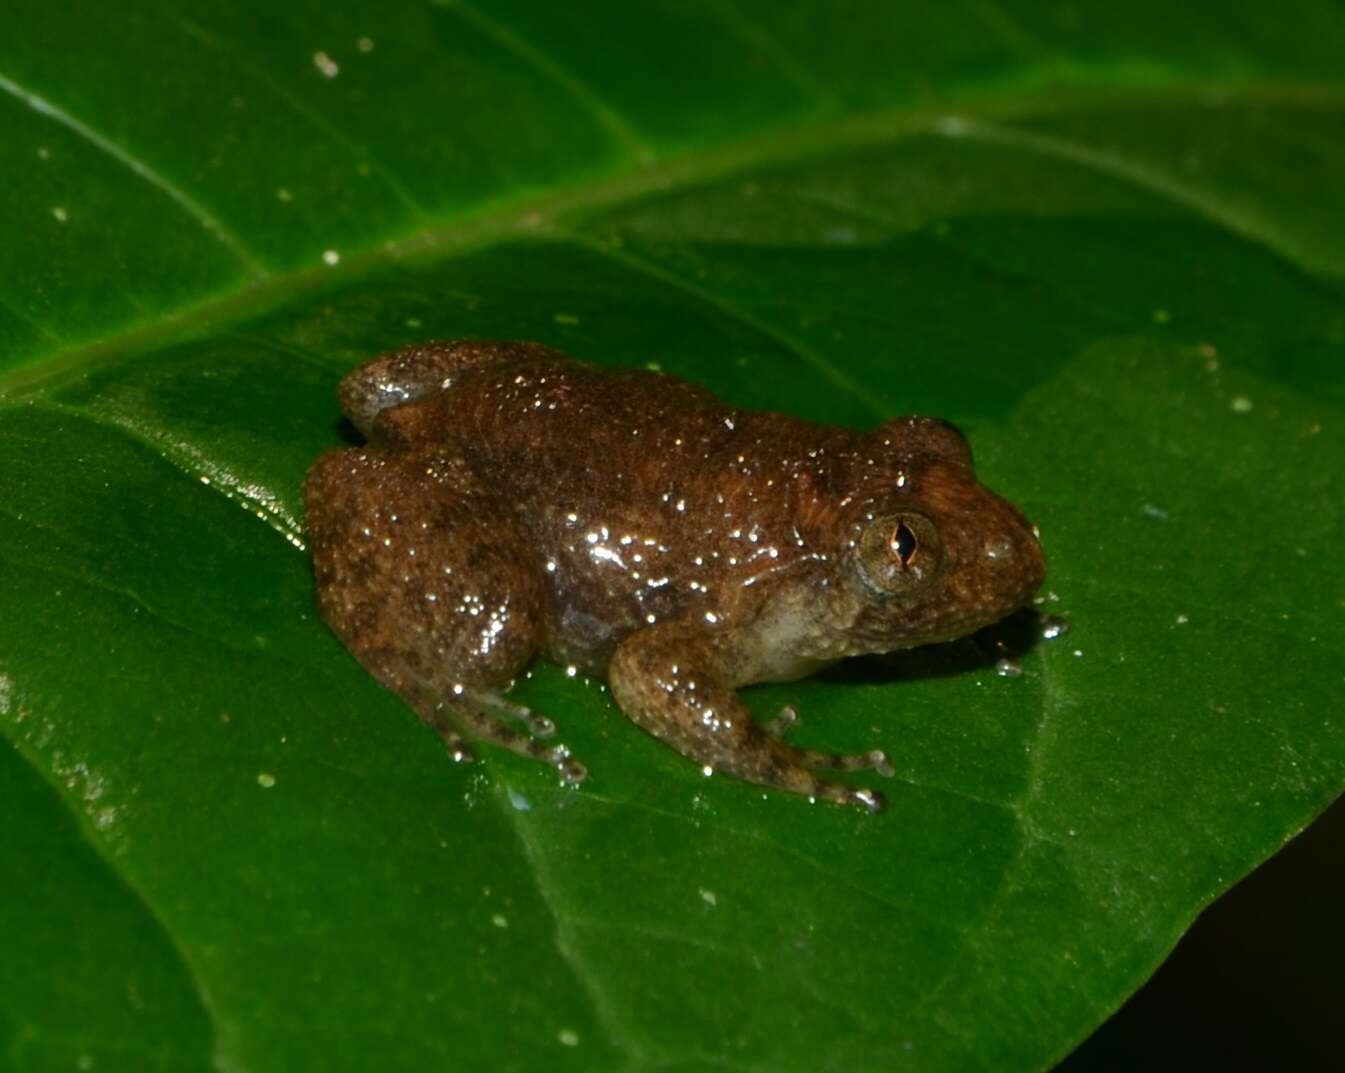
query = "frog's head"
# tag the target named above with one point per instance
(933, 553)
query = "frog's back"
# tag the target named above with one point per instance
(556, 418)
(642, 493)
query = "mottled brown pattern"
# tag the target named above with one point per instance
(512, 501)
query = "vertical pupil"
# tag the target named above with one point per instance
(904, 543)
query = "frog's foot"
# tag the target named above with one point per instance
(472, 712)
(478, 710)
(538, 725)
(873, 760)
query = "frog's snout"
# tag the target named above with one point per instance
(1013, 557)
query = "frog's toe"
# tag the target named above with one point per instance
(538, 725)
(813, 759)
(483, 715)
(868, 800)
(572, 772)
(437, 717)
(788, 717)
(459, 752)
(873, 760)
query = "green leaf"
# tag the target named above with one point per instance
(1107, 240)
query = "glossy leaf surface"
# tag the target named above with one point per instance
(1106, 241)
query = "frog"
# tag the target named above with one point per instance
(509, 502)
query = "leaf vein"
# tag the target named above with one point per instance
(604, 1005)
(88, 832)
(1110, 164)
(759, 35)
(795, 347)
(294, 103)
(193, 464)
(777, 847)
(613, 122)
(193, 208)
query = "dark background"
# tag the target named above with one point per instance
(1256, 984)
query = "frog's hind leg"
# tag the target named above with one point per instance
(433, 585)
(417, 371)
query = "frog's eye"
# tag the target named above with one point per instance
(900, 553)
(903, 545)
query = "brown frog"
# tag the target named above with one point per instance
(512, 501)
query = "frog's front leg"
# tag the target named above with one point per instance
(679, 685)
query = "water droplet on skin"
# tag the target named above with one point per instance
(572, 772)
(1053, 626)
(868, 799)
(266, 780)
(1008, 668)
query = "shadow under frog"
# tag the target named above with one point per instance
(511, 501)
